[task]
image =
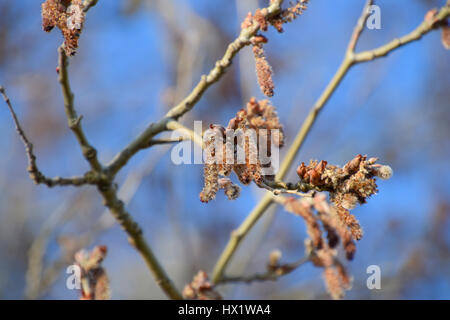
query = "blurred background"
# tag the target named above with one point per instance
(137, 58)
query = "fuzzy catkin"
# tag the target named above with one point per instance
(66, 15)
(263, 71)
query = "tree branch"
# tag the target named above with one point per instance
(35, 174)
(154, 142)
(271, 275)
(74, 122)
(194, 137)
(137, 239)
(244, 39)
(221, 66)
(300, 189)
(424, 28)
(359, 27)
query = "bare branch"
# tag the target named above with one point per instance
(153, 142)
(108, 190)
(35, 174)
(221, 66)
(359, 27)
(137, 239)
(278, 188)
(424, 28)
(190, 101)
(74, 121)
(175, 125)
(270, 275)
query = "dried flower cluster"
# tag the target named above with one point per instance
(326, 215)
(201, 288)
(348, 186)
(68, 16)
(322, 251)
(94, 280)
(289, 14)
(263, 69)
(257, 116)
(231, 190)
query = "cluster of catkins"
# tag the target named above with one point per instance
(257, 116)
(347, 186)
(94, 280)
(68, 16)
(201, 288)
(319, 216)
(263, 69)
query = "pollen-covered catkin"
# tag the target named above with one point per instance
(352, 184)
(263, 71)
(94, 280)
(232, 191)
(66, 15)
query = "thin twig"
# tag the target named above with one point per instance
(188, 133)
(74, 122)
(349, 60)
(154, 142)
(278, 188)
(359, 27)
(270, 275)
(424, 28)
(137, 239)
(35, 174)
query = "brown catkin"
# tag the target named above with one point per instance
(68, 16)
(333, 283)
(94, 280)
(263, 71)
(210, 172)
(231, 190)
(302, 209)
(347, 186)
